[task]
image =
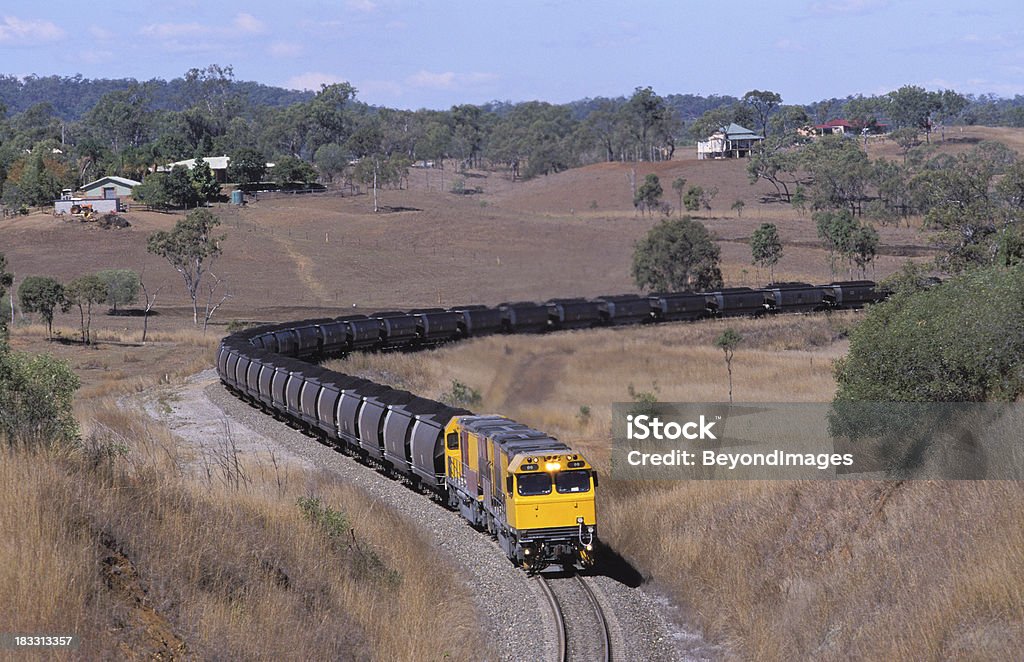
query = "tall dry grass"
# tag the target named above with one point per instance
(774, 570)
(123, 543)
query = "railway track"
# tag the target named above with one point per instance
(580, 624)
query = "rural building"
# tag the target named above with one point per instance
(733, 141)
(82, 205)
(109, 187)
(840, 127)
(218, 164)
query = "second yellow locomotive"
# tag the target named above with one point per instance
(534, 493)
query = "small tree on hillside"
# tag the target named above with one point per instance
(191, 248)
(677, 254)
(42, 294)
(122, 286)
(84, 292)
(648, 196)
(728, 342)
(765, 248)
(679, 186)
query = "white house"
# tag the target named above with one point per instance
(733, 141)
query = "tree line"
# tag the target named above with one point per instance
(126, 128)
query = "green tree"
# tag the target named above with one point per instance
(840, 171)
(331, 160)
(293, 170)
(84, 292)
(153, 191)
(738, 206)
(863, 247)
(677, 254)
(766, 248)
(914, 361)
(36, 395)
(679, 186)
(42, 294)
(648, 196)
(191, 249)
(906, 138)
(728, 341)
(913, 106)
(763, 103)
(918, 346)
(696, 198)
(247, 166)
(647, 115)
(836, 229)
(773, 162)
(203, 181)
(122, 286)
(179, 189)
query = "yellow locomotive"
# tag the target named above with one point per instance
(531, 491)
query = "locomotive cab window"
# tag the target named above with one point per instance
(534, 484)
(572, 481)
(453, 441)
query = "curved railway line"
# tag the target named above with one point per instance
(581, 627)
(484, 467)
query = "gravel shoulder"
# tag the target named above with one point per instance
(205, 417)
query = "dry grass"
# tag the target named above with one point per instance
(775, 570)
(120, 545)
(146, 547)
(545, 380)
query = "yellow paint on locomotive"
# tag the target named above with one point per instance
(557, 509)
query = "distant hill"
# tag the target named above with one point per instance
(73, 96)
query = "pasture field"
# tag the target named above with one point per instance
(770, 570)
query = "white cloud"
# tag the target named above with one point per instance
(174, 30)
(17, 30)
(829, 7)
(362, 5)
(312, 80)
(102, 34)
(449, 80)
(789, 46)
(437, 81)
(249, 24)
(285, 49)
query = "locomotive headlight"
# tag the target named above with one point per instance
(552, 466)
(590, 548)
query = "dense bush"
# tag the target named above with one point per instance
(960, 341)
(35, 400)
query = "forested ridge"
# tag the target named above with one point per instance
(61, 132)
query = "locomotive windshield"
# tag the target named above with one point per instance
(534, 484)
(572, 481)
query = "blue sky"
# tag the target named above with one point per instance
(433, 54)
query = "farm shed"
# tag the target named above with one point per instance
(109, 187)
(731, 141)
(78, 205)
